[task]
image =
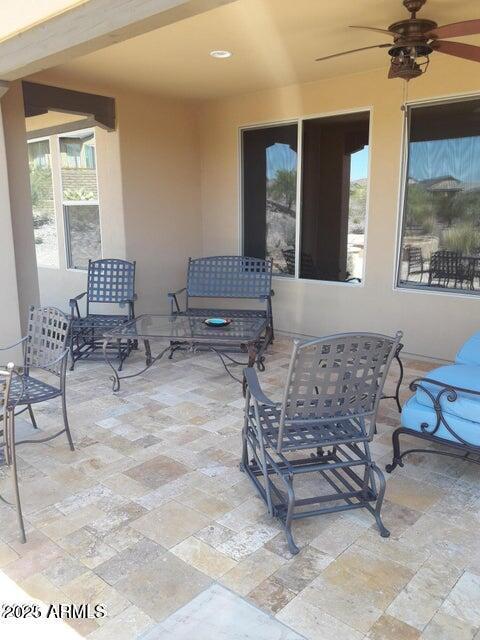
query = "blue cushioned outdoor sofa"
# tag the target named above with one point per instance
(445, 408)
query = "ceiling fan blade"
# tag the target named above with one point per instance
(458, 49)
(456, 29)
(377, 29)
(344, 53)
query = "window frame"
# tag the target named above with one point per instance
(63, 202)
(61, 221)
(407, 106)
(299, 120)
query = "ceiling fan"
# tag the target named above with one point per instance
(414, 39)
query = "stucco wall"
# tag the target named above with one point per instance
(161, 193)
(10, 330)
(434, 324)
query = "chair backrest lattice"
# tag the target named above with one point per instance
(414, 258)
(336, 377)
(47, 338)
(446, 264)
(229, 277)
(110, 280)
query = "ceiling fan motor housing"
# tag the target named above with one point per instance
(411, 37)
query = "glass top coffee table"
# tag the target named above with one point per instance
(189, 332)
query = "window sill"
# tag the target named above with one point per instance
(357, 285)
(457, 293)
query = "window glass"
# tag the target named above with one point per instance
(440, 243)
(334, 197)
(270, 195)
(82, 234)
(78, 165)
(43, 205)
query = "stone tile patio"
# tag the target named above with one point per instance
(152, 518)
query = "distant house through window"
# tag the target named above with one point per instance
(440, 240)
(324, 237)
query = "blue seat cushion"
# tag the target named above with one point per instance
(466, 376)
(414, 414)
(470, 351)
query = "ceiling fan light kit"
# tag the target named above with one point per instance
(415, 39)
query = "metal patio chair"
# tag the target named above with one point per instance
(448, 267)
(323, 425)
(109, 281)
(8, 457)
(415, 262)
(44, 349)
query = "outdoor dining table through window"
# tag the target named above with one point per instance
(189, 332)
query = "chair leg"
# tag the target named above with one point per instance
(384, 532)
(289, 515)
(32, 417)
(119, 351)
(65, 422)
(397, 456)
(72, 357)
(13, 462)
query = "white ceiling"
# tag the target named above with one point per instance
(274, 43)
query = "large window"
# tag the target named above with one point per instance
(65, 165)
(324, 237)
(440, 241)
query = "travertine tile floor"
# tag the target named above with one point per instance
(152, 518)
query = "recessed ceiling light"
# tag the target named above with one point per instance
(220, 54)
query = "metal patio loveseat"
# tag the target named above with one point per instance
(239, 278)
(445, 409)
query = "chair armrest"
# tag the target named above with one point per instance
(254, 388)
(73, 302)
(173, 294)
(15, 344)
(77, 298)
(174, 306)
(449, 390)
